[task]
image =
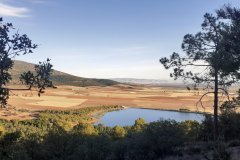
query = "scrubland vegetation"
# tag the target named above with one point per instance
(71, 135)
(67, 135)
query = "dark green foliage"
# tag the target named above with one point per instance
(9, 145)
(221, 153)
(231, 105)
(230, 125)
(158, 139)
(103, 130)
(12, 45)
(215, 52)
(40, 79)
(206, 128)
(44, 138)
(215, 49)
(4, 95)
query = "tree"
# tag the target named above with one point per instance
(11, 46)
(215, 51)
(139, 125)
(85, 129)
(118, 132)
(2, 130)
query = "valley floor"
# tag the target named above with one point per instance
(70, 97)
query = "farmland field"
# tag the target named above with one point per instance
(71, 97)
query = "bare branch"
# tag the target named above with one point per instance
(197, 65)
(200, 100)
(16, 89)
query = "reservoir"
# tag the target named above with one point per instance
(128, 116)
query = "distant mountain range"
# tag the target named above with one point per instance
(148, 81)
(58, 78)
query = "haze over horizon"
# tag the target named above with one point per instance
(108, 38)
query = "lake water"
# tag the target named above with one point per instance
(128, 116)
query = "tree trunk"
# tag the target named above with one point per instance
(215, 132)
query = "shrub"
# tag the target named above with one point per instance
(191, 129)
(118, 132)
(85, 129)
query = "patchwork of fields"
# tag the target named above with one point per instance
(71, 97)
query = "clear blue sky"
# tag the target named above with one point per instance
(107, 38)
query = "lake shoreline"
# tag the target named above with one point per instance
(99, 117)
(171, 110)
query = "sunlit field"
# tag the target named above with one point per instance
(71, 97)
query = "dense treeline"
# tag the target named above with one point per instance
(66, 135)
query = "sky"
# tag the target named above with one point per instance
(107, 38)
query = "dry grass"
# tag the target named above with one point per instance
(54, 101)
(70, 97)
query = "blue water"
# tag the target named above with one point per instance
(128, 116)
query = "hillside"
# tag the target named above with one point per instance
(157, 82)
(58, 78)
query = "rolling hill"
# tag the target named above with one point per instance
(58, 78)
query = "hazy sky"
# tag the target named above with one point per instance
(107, 38)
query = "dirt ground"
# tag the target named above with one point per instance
(70, 97)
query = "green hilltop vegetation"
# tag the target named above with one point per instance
(58, 78)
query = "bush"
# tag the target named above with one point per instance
(2, 130)
(118, 132)
(44, 139)
(206, 128)
(229, 124)
(139, 125)
(191, 129)
(85, 129)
